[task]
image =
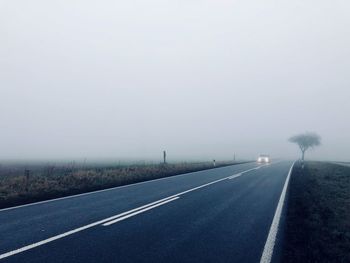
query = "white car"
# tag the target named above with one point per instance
(263, 158)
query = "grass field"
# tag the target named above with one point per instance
(21, 184)
(318, 214)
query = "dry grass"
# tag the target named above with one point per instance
(48, 181)
(318, 215)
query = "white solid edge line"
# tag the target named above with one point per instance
(271, 238)
(139, 212)
(108, 189)
(48, 240)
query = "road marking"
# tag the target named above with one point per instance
(241, 173)
(103, 221)
(139, 212)
(271, 238)
(235, 176)
(108, 189)
(40, 243)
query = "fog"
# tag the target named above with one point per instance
(200, 79)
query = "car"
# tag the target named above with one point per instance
(263, 158)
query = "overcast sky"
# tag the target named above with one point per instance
(199, 78)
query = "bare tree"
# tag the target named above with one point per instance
(305, 141)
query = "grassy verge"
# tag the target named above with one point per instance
(318, 215)
(43, 182)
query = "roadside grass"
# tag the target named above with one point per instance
(318, 214)
(43, 182)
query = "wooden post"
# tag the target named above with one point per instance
(26, 174)
(164, 157)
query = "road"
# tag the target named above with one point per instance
(218, 215)
(343, 163)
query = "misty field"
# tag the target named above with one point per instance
(318, 215)
(20, 184)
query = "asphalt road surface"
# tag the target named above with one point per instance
(218, 215)
(343, 163)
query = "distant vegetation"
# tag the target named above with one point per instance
(306, 141)
(318, 215)
(21, 184)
